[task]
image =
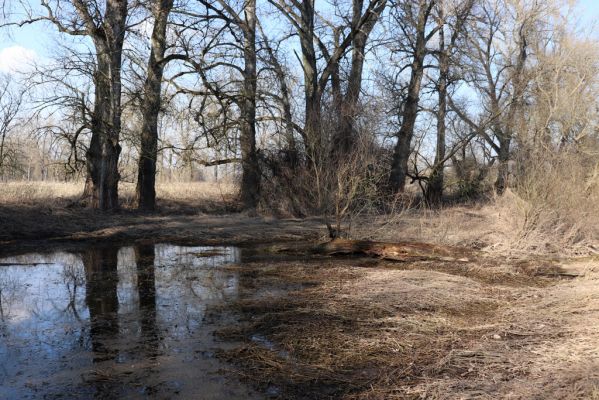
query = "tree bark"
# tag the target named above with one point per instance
(312, 92)
(150, 109)
(348, 110)
(402, 150)
(104, 150)
(250, 180)
(503, 158)
(514, 112)
(434, 188)
(2, 138)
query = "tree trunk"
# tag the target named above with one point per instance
(399, 251)
(403, 147)
(150, 108)
(312, 95)
(402, 151)
(434, 188)
(514, 111)
(348, 110)
(503, 158)
(2, 154)
(104, 150)
(250, 180)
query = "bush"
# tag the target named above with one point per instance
(553, 204)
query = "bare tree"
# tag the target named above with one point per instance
(226, 37)
(349, 104)
(302, 16)
(105, 24)
(11, 99)
(283, 98)
(151, 105)
(495, 66)
(413, 20)
(250, 180)
(455, 23)
(102, 157)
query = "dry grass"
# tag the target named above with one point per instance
(541, 216)
(365, 329)
(551, 210)
(354, 332)
(47, 193)
(552, 207)
(189, 191)
(362, 329)
(187, 212)
(465, 226)
(61, 193)
(507, 225)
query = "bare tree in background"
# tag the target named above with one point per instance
(105, 24)
(302, 16)
(246, 21)
(349, 104)
(150, 107)
(227, 35)
(283, 98)
(11, 99)
(412, 19)
(455, 25)
(495, 66)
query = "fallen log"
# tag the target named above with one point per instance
(399, 251)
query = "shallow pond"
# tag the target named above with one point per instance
(110, 322)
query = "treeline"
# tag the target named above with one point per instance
(327, 106)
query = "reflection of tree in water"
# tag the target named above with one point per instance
(199, 272)
(11, 292)
(139, 314)
(74, 279)
(191, 280)
(146, 288)
(101, 297)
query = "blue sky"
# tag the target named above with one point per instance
(34, 41)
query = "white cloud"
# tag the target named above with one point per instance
(17, 59)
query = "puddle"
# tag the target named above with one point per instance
(130, 322)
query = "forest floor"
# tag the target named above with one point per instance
(507, 323)
(492, 328)
(42, 215)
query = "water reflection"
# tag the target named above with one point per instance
(146, 289)
(101, 298)
(110, 322)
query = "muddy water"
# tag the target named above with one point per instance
(130, 322)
